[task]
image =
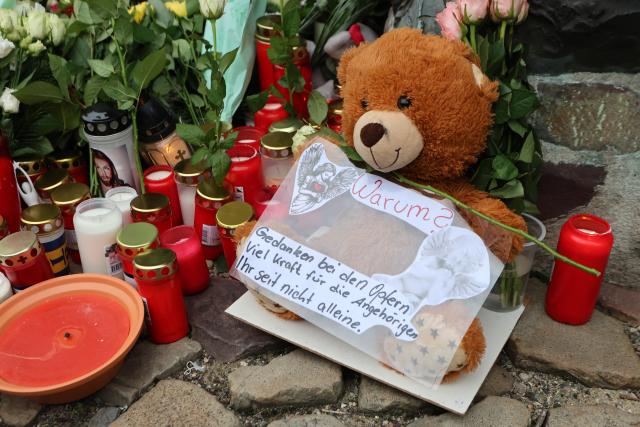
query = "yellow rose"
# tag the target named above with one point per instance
(138, 11)
(179, 8)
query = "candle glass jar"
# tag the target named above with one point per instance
(229, 218)
(97, 223)
(45, 221)
(265, 29)
(23, 260)
(209, 198)
(159, 285)
(73, 162)
(192, 265)
(122, 197)
(110, 136)
(33, 164)
(271, 112)
(49, 181)
(133, 240)
(67, 197)
(187, 175)
(277, 157)
(572, 293)
(245, 173)
(248, 135)
(153, 208)
(288, 125)
(161, 179)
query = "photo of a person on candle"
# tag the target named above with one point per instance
(107, 172)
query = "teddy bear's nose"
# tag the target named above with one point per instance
(371, 133)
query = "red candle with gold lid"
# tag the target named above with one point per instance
(245, 173)
(67, 197)
(192, 265)
(271, 112)
(248, 135)
(153, 208)
(159, 285)
(230, 217)
(73, 162)
(161, 179)
(132, 240)
(209, 198)
(49, 181)
(265, 30)
(23, 260)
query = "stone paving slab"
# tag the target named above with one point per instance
(17, 411)
(373, 396)
(104, 417)
(591, 416)
(314, 420)
(298, 378)
(598, 353)
(621, 303)
(147, 363)
(177, 403)
(499, 382)
(491, 412)
(222, 336)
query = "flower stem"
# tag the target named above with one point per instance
(487, 218)
(503, 28)
(474, 46)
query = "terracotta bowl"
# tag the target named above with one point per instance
(89, 383)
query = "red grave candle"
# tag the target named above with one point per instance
(67, 197)
(161, 179)
(24, 260)
(248, 135)
(192, 266)
(301, 61)
(271, 112)
(159, 285)
(73, 162)
(209, 198)
(245, 173)
(10, 200)
(265, 29)
(133, 240)
(572, 293)
(61, 339)
(153, 208)
(230, 217)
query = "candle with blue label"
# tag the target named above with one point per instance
(45, 221)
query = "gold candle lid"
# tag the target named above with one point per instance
(70, 194)
(42, 218)
(234, 214)
(18, 249)
(265, 28)
(276, 145)
(335, 108)
(299, 53)
(288, 125)
(149, 202)
(208, 189)
(65, 159)
(188, 173)
(51, 179)
(32, 164)
(136, 238)
(155, 264)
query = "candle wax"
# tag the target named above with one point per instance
(96, 231)
(158, 175)
(187, 196)
(62, 339)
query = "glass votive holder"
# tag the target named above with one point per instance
(122, 197)
(248, 135)
(160, 179)
(153, 208)
(277, 157)
(245, 173)
(193, 271)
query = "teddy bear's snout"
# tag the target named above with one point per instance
(371, 133)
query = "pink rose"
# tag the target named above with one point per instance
(450, 22)
(507, 10)
(473, 11)
(524, 12)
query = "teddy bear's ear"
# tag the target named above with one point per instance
(489, 89)
(345, 59)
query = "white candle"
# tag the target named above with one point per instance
(158, 175)
(5, 288)
(122, 197)
(97, 222)
(187, 195)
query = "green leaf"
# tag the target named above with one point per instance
(495, 59)
(275, 92)
(528, 148)
(227, 59)
(518, 128)
(257, 101)
(192, 134)
(161, 86)
(38, 92)
(351, 153)
(523, 102)
(164, 17)
(148, 69)
(211, 117)
(82, 11)
(92, 89)
(76, 27)
(503, 168)
(318, 107)
(220, 163)
(123, 30)
(291, 19)
(181, 50)
(101, 67)
(124, 96)
(104, 8)
(142, 34)
(510, 190)
(199, 155)
(196, 100)
(60, 72)
(483, 174)
(279, 52)
(501, 111)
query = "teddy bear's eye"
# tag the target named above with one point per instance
(364, 104)
(404, 102)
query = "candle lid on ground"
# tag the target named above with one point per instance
(149, 202)
(266, 26)
(138, 236)
(276, 145)
(288, 125)
(18, 248)
(51, 179)
(70, 194)
(209, 190)
(32, 164)
(155, 264)
(65, 159)
(234, 214)
(41, 218)
(188, 173)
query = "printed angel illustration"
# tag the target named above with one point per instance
(318, 181)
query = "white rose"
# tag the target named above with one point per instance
(6, 47)
(8, 20)
(212, 9)
(36, 47)
(57, 29)
(37, 24)
(8, 102)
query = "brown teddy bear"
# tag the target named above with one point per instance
(421, 106)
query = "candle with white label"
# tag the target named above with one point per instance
(97, 223)
(122, 197)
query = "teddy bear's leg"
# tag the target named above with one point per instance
(504, 244)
